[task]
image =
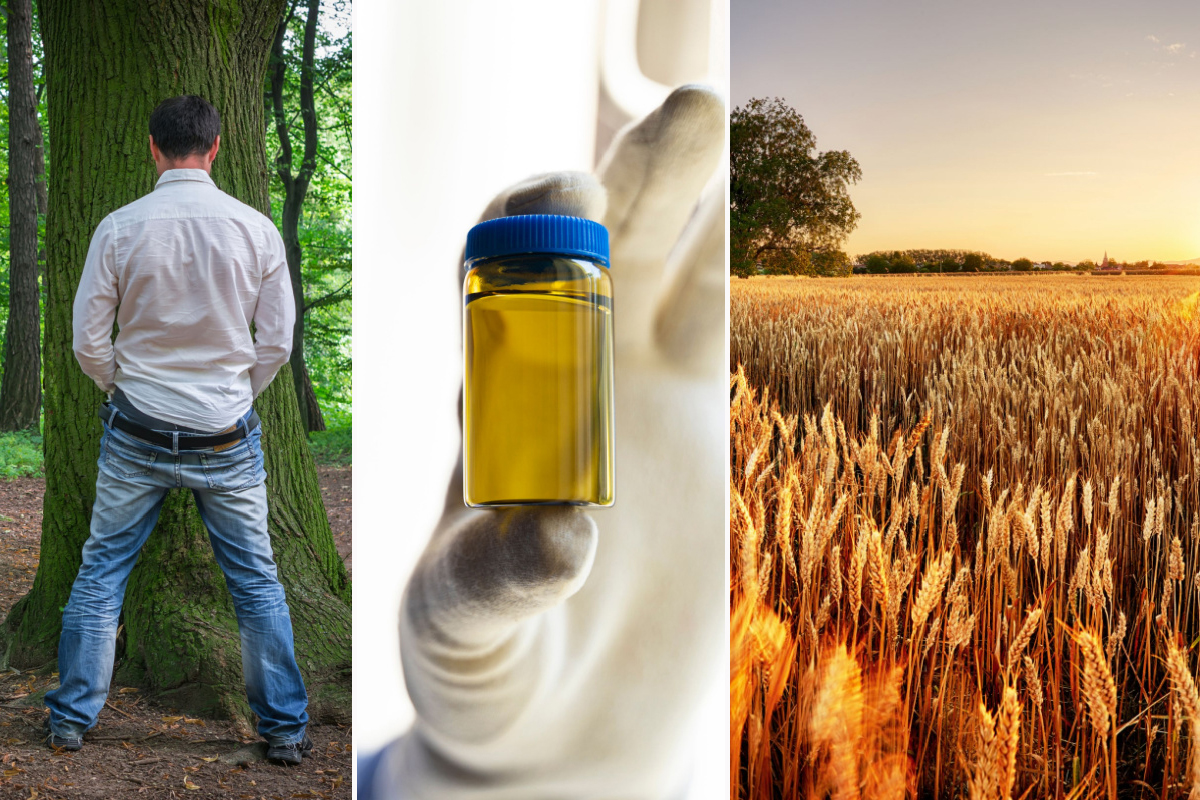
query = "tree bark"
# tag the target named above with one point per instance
(295, 188)
(108, 64)
(21, 387)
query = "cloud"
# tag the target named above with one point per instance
(1174, 48)
(1086, 174)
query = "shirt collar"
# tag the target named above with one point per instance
(172, 175)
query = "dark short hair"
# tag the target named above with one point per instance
(184, 125)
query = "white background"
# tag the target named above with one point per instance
(454, 101)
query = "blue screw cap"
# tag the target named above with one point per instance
(538, 233)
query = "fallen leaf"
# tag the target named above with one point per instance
(189, 785)
(210, 759)
(171, 719)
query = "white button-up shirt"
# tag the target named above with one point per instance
(185, 270)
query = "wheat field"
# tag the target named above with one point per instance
(965, 537)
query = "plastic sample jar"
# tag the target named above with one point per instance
(538, 376)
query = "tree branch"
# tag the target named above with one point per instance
(283, 163)
(336, 296)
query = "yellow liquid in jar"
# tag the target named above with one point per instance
(537, 398)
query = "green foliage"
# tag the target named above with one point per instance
(785, 262)
(902, 263)
(1022, 265)
(325, 228)
(20, 454)
(877, 264)
(1087, 265)
(787, 200)
(832, 263)
(332, 446)
(925, 260)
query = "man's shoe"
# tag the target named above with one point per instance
(290, 754)
(56, 742)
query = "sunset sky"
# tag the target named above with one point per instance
(1016, 128)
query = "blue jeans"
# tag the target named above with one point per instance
(230, 494)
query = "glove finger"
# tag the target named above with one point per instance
(689, 323)
(653, 173)
(572, 194)
(488, 570)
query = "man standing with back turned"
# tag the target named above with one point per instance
(185, 270)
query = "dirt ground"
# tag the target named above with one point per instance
(140, 748)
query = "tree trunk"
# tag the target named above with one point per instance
(306, 395)
(21, 387)
(108, 64)
(295, 188)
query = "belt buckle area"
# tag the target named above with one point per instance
(119, 433)
(222, 447)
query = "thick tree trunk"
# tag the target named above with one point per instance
(108, 64)
(295, 189)
(21, 387)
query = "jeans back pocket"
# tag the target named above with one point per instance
(126, 460)
(231, 470)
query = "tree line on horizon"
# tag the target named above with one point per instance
(790, 209)
(881, 262)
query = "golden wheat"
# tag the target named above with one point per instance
(959, 486)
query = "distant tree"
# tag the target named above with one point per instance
(21, 387)
(1058, 265)
(877, 264)
(948, 265)
(972, 262)
(1087, 265)
(1022, 265)
(833, 263)
(783, 193)
(903, 262)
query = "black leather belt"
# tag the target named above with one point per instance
(186, 441)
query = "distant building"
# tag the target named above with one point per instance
(1110, 266)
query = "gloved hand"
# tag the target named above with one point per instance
(551, 652)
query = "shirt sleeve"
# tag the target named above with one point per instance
(274, 315)
(95, 307)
